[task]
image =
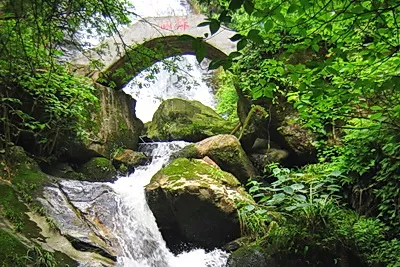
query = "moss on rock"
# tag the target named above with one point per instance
(225, 151)
(178, 119)
(183, 169)
(12, 251)
(255, 121)
(194, 201)
(98, 169)
(127, 160)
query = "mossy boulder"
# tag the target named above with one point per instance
(127, 160)
(18, 168)
(62, 170)
(12, 251)
(98, 169)
(254, 122)
(226, 151)
(113, 123)
(194, 202)
(178, 119)
(249, 257)
(280, 125)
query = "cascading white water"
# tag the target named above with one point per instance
(168, 85)
(135, 225)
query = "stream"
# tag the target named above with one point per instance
(124, 226)
(134, 224)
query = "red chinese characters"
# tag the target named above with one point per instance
(180, 24)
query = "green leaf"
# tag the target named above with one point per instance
(215, 64)
(248, 7)
(214, 26)
(223, 17)
(269, 90)
(268, 25)
(297, 186)
(279, 197)
(203, 24)
(293, 8)
(200, 49)
(315, 47)
(254, 36)
(288, 190)
(376, 116)
(236, 37)
(234, 54)
(278, 16)
(235, 4)
(280, 70)
(241, 44)
(300, 197)
(376, 108)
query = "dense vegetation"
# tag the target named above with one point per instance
(42, 103)
(337, 63)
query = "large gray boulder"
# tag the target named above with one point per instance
(126, 160)
(178, 119)
(113, 124)
(98, 169)
(225, 150)
(279, 123)
(194, 202)
(83, 213)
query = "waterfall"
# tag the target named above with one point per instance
(149, 95)
(135, 225)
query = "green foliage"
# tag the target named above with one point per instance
(307, 217)
(12, 251)
(226, 95)
(370, 155)
(42, 103)
(41, 257)
(337, 63)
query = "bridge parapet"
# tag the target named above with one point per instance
(150, 32)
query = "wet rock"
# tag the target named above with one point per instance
(255, 122)
(264, 157)
(279, 123)
(127, 160)
(194, 202)
(62, 170)
(113, 124)
(249, 257)
(178, 119)
(299, 139)
(98, 169)
(226, 152)
(83, 213)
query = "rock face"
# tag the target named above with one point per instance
(178, 119)
(127, 160)
(98, 169)
(194, 202)
(277, 123)
(226, 151)
(254, 122)
(83, 213)
(114, 124)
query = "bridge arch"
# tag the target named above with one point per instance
(152, 40)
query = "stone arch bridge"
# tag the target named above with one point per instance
(150, 40)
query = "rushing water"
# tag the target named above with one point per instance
(133, 223)
(135, 226)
